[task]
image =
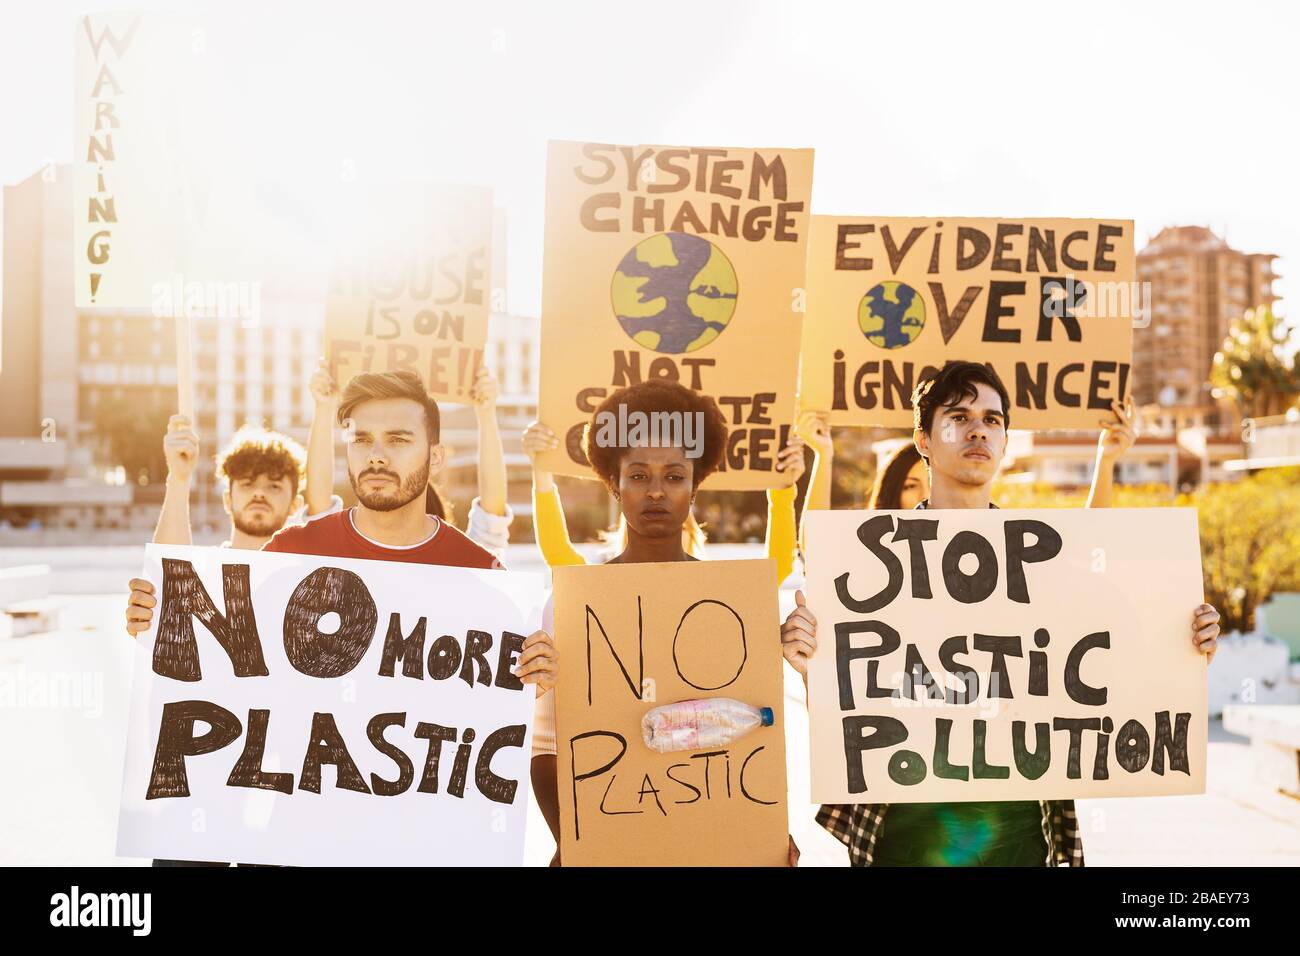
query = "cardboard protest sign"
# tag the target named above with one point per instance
(1049, 303)
(682, 264)
(1005, 655)
(291, 709)
(636, 637)
(413, 290)
(135, 193)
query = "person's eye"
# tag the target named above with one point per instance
(958, 418)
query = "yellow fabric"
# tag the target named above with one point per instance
(552, 531)
(782, 535)
(558, 551)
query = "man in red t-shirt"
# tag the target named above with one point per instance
(392, 429)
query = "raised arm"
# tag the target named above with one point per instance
(782, 543)
(491, 456)
(814, 429)
(548, 515)
(181, 449)
(320, 445)
(1117, 436)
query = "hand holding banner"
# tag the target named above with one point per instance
(1005, 655)
(397, 676)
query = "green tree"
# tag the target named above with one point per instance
(130, 427)
(1252, 369)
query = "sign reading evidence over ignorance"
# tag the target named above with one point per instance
(291, 709)
(1048, 303)
(680, 264)
(1005, 655)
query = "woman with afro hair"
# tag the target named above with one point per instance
(655, 487)
(548, 514)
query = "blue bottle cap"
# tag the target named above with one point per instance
(766, 715)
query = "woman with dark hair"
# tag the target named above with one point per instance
(903, 483)
(553, 533)
(655, 487)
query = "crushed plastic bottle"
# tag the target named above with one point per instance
(693, 724)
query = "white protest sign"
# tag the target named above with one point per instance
(1005, 655)
(295, 709)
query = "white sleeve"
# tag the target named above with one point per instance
(544, 724)
(301, 517)
(489, 530)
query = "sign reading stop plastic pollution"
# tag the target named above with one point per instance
(292, 709)
(646, 778)
(412, 289)
(1005, 655)
(1048, 303)
(677, 264)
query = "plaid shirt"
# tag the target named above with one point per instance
(859, 826)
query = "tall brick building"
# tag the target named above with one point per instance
(1199, 285)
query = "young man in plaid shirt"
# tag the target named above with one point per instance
(961, 421)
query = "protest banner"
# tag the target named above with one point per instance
(1048, 303)
(138, 118)
(414, 290)
(678, 264)
(260, 670)
(637, 637)
(1005, 655)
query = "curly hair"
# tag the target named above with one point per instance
(650, 398)
(256, 451)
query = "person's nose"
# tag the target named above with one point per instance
(657, 492)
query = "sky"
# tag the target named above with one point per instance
(1164, 113)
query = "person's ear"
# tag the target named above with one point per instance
(225, 500)
(922, 442)
(437, 458)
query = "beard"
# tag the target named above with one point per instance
(412, 487)
(261, 524)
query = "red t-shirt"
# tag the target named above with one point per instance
(335, 536)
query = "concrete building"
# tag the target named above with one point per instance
(1198, 286)
(59, 376)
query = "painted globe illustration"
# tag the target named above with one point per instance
(674, 292)
(891, 315)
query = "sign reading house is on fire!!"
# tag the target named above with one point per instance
(678, 264)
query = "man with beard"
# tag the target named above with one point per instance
(393, 429)
(261, 471)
